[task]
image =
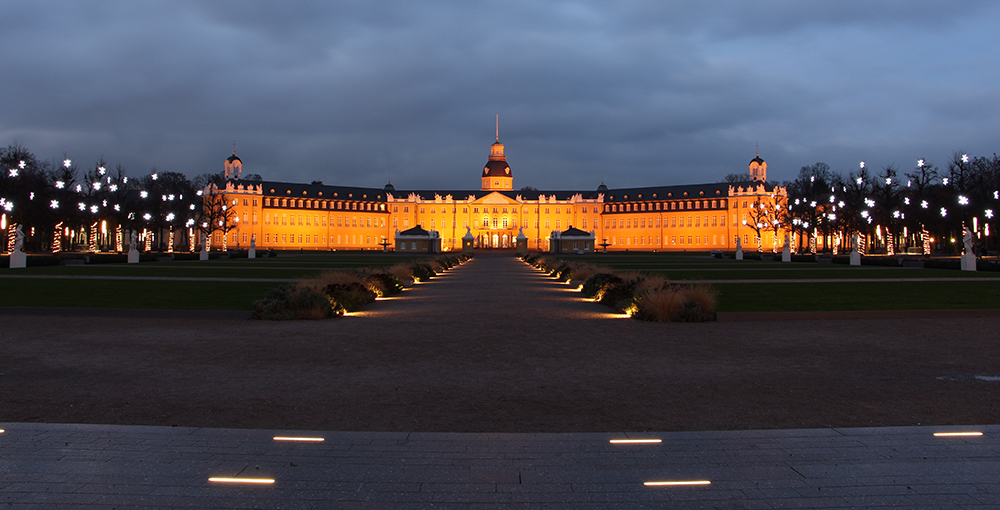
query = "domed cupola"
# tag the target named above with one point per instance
(389, 188)
(234, 166)
(758, 169)
(496, 173)
(602, 188)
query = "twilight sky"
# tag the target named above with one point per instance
(636, 93)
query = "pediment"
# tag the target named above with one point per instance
(496, 198)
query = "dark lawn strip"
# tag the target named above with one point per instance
(800, 297)
(154, 294)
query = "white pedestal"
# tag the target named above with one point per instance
(203, 255)
(18, 259)
(133, 257)
(252, 254)
(968, 262)
(786, 256)
(855, 258)
(739, 254)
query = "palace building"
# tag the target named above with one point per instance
(695, 217)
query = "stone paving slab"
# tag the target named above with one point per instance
(107, 466)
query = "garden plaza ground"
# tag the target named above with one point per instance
(493, 385)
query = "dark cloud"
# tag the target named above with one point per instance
(642, 93)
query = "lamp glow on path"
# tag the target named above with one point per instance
(635, 441)
(241, 480)
(303, 439)
(957, 434)
(677, 483)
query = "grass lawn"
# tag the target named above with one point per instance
(793, 297)
(149, 294)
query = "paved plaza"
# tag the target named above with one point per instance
(101, 466)
(61, 465)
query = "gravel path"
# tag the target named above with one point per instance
(496, 346)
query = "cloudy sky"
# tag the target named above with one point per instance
(629, 93)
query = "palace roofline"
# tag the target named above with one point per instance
(323, 191)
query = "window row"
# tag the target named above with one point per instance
(320, 204)
(666, 206)
(318, 220)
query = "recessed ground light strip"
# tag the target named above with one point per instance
(636, 441)
(676, 483)
(957, 434)
(302, 439)
(241, 480)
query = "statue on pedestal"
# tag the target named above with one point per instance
(18, 239)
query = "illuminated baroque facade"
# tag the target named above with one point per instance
(698, 217)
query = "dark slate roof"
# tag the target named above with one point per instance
(757, 159)
(574, 232)
(496, 169)
(234, 157)
(463, 194)
(297, 190)
(708, 190)
(415, 231)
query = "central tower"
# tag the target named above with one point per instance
(496, 173)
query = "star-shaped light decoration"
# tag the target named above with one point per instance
(79, 188)
(920, 163)
(83, 206)
(143, 194)
(147, 216)
(924, 204)
(54, 204)
(869, 202)
(93, 209)
(944, 212)
(113, 187)
(888, 180)
(895, 214)
(100, 170)
(22, 164)
(963, 200)
(864, 214)
(862, 164)
(8, 206)
(859, 181)
(170, 217)
(154, 176)
(67, 163)
(944, 181)
(989, 213)
(840, 204)
(832, 198)
(200, 193)
(812, 204)
(118, 208)
(965, 158)
(60, 184)
(906, 200)
(97, 186)
(13, 172)
(191, 207)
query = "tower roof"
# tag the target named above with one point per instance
(757, 159)
(234, 157)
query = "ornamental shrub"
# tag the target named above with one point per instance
(295, 301)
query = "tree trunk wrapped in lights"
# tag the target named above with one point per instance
(890, 243)
(170, 242)
(57, 238)
(92, 239)
(11, 236)
(118, 239)
(147, 237)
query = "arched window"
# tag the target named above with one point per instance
(505, 222)
(486, 221)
